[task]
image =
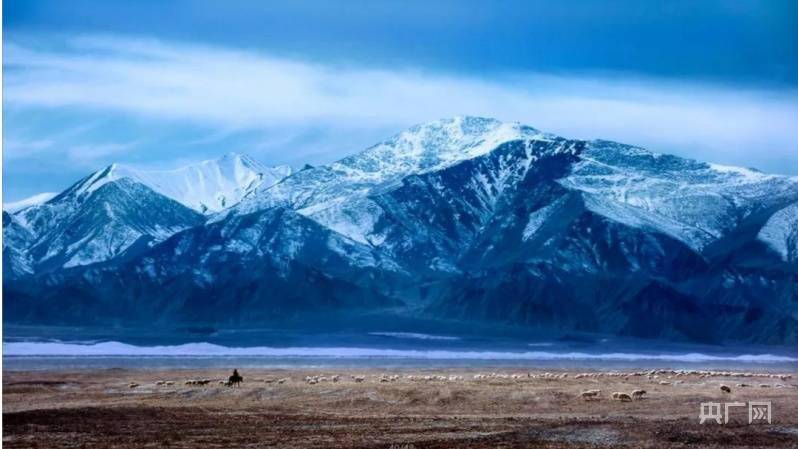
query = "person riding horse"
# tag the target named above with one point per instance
(235, 379)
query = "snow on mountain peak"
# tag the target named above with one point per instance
(336, 195)
(689, 200)
(432, 146)
(208, 186)
(741, 174)
(30, 201)
(780, 232)
(700, 201)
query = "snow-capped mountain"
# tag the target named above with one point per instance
(336, 195)
(207, 187)
(121, 210)
(90, 223)
(27, 202)
(471, 220)
(691, 201)
(423, 148)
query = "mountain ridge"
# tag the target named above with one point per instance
(474, 220)
(208, 186)
(65, 232)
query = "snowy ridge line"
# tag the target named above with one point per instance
(423, 148)
(30, 201)
(117, 349)
(208, 186)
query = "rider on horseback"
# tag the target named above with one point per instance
(235, 379)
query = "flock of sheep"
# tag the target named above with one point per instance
(670, 373)
(672, 376)
(590, 395)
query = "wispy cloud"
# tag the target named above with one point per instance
(89, 154)
(61, 144)
(230, 90)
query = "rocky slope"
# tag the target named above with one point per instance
(470, 220)
(120, 211)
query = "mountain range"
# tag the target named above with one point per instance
(464, 221)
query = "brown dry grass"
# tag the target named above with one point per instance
(98, 409)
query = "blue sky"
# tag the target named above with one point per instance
(154, 83)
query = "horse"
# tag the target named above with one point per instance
(234, 380)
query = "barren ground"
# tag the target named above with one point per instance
(95, 409)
